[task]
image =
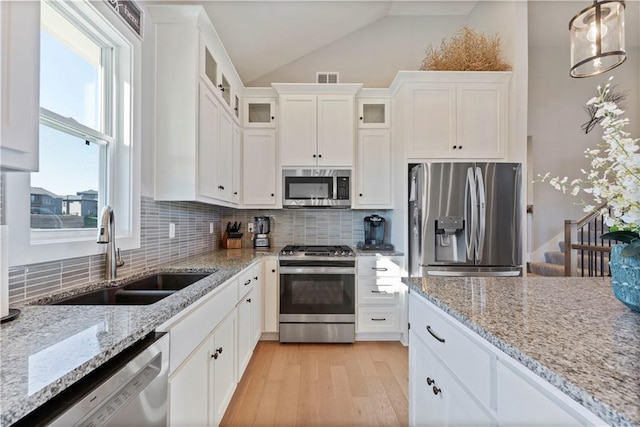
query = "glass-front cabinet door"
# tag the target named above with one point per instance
(259, 112)
(373, 113)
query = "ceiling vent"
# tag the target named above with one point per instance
(327, 77)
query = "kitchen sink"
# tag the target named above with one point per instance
(146, 290)
(165, 281)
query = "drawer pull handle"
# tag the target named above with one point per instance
(375, 319)
(379, 292)
(380, 268)
(436, 390)
(247, 282)
(433, 334)
(430, 381)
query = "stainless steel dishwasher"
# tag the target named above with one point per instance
(129, 390)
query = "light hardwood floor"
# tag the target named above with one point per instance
(365, 383)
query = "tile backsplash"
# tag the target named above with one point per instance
(192, 237)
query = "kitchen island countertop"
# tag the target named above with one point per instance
(570, 331)
(49, 347)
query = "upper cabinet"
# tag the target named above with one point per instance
(456, 114)
(373, 113)
(316, 124)
(259, 113)
(19, 86)
(197, 135)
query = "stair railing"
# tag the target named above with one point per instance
(583, 246)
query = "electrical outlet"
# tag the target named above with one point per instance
(210, 228)
(250, 227)
(172, 230)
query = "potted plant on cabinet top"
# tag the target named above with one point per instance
(615, 178)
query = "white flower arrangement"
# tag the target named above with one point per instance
(614, 176)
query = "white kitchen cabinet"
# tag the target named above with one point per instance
(373, 113)
(194, 123)
(224, 378)
(259, 168)
(316, 126)
(208, 143)
(245, 332)
(20, 85)
(190, 389)
(271, 296)
(236, 181)
(200, 390)
(256, 302)
(457, 115)
(378, 308)
(479, 384)
(436, 396)
(373, 170)
(259, 113)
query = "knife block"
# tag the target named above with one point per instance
(232, 240)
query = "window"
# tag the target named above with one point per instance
(90, 80)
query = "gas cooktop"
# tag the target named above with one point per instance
(319, 251)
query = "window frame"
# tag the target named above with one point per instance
(122, 187)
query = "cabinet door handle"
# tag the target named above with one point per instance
(214, 355)
(459, 147)
(436, 390)
(249, 300)
(455, 146)
(375, 319)
(314, 156)
(247, 282)
(378, 292)
(380, 268)
(360, 118)
(272, 194)
(273, 271)
(219, 350)
(235, 193)
(433, 334)
(273, 118)
(221, 88)
(255, 278)
(319, 155)
(360, 194)
(430, 381)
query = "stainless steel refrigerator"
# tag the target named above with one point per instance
(465, 219)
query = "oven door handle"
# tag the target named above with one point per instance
(317, 270)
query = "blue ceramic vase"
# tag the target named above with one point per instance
(625, 277)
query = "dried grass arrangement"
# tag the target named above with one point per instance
(467, 51)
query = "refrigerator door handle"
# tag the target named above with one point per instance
(482, 214)
(470, 227)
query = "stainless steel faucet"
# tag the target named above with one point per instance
(107, 234)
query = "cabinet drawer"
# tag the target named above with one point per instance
(378, 319)
(194, 327)
(245, 282)
(456, 347)
(372, 290)
(379, 267)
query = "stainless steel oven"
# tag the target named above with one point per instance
(317, 296)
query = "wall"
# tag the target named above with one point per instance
(400, 44)
(555, 115)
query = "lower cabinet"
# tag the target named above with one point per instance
(458, 378)
(436, 397)
(211, 345)
(201, 388)
(271, 296)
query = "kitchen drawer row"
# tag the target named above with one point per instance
(457, 378)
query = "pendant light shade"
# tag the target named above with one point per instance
(597, 38)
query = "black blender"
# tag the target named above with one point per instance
(374, 228)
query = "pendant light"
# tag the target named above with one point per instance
(597, 38)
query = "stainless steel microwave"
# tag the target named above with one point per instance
(316, 188)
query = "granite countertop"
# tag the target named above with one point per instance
(570, 331)
(47, 348)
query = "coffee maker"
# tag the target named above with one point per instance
(261, 229)
(374, 229)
